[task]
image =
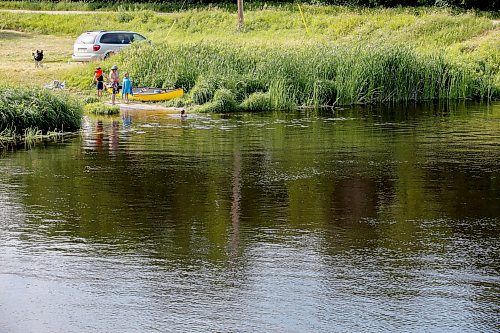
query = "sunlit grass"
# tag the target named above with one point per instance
(345, 56)
(421, 27)
(101, 108)
(297, 76)
(33, 111)
(17, 65)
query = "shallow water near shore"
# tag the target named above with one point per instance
(383, 219)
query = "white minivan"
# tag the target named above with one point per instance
(98, 45)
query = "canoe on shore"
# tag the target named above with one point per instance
(154, 94)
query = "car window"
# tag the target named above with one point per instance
(120, 38)
(127, 38)
(86, 38)
(110, 38)
(138, 38)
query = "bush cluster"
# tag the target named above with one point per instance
(101, 108)
(35, 108)
(225, 77)
(180, 4)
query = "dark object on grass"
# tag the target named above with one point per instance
(38, 56)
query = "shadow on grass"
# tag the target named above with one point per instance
(13, 35)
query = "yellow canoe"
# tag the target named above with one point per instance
(154, 94)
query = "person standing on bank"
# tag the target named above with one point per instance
(99, 80)
(126, 88)
(114, 77)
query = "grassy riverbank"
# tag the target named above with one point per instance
(317, 75)
(30, 112)
(336, 55)
(424, 28)
(17, 66)
(157, 6)
(169, 6)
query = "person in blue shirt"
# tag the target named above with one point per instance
(126, 88)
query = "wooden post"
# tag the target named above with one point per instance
(240, 15)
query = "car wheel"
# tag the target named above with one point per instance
(108, 55)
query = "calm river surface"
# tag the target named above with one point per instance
(382, 220)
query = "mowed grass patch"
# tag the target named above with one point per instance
(17, 65)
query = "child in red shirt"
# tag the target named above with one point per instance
(99, 79)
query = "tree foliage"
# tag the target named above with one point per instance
(493, 5)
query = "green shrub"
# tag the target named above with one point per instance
(35, 108)
(323, 92)
(257, 102)
(223, 102)
(204, 90)
(102, 109)
(282, 95)
(179, 102)
(91, 99)
(124, 17)
(314, 76)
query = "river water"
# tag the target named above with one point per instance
(358, 220)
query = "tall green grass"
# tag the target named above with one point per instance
(175, 5)
(130, 5)
(345, 56)
(312, 75)
(423, 27)
(101, 108)
(469, 36)
(37, 110)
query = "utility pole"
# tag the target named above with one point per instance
(240, 15)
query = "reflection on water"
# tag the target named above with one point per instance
(359, 220)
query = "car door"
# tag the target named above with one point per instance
(113, 41)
